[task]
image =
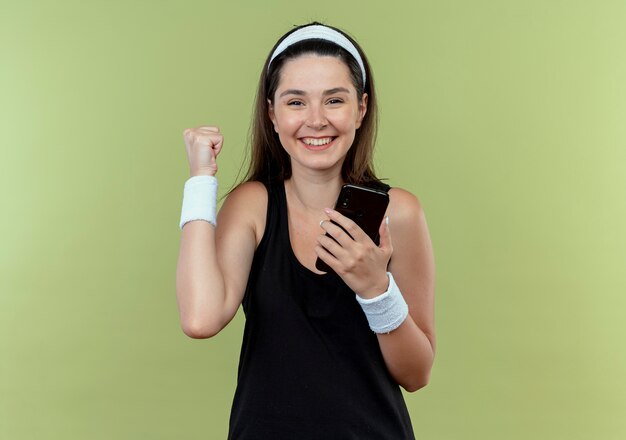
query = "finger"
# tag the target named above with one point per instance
(339, 234)
(348, 225)
(327, 257)
(217, 147)
(205, 156)
(210, 128)
(331, 246)
(385, 235)
(213, 140)
(190, 134)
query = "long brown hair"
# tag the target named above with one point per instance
(268, 159)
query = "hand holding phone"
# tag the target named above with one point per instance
(365, 206)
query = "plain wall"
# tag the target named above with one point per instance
(505, 118)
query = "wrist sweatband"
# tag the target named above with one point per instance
(199, 200)
(387, 311)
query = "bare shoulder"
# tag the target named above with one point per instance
(245, 206)
(249, 192)
(404, 206)
(412, 261)
(412, 246)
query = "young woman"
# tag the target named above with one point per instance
(323, 353)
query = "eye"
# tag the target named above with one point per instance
(295, 103)
(335, 101)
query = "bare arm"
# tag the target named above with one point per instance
(214, 262)
(409, 349)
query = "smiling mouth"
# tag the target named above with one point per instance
(317, 142)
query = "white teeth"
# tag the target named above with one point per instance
(317, 142)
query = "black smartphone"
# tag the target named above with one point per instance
(365, 206)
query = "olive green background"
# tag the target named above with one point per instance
(506, 119)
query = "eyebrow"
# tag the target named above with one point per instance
(303, 93)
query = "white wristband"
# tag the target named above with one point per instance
(387, 311)
(199, 200)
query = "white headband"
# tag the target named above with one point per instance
(322, 33)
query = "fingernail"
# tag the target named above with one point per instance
(387, 220)
(328, 210)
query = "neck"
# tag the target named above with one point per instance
(314, 192)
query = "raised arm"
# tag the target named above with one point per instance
(214, 261)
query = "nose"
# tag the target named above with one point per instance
(316, 117)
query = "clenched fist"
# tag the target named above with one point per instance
(203, 144)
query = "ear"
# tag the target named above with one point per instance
(270, 113)
(362, 110)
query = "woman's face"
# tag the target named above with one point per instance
(316, 112)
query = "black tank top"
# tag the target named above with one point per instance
(310, 367)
